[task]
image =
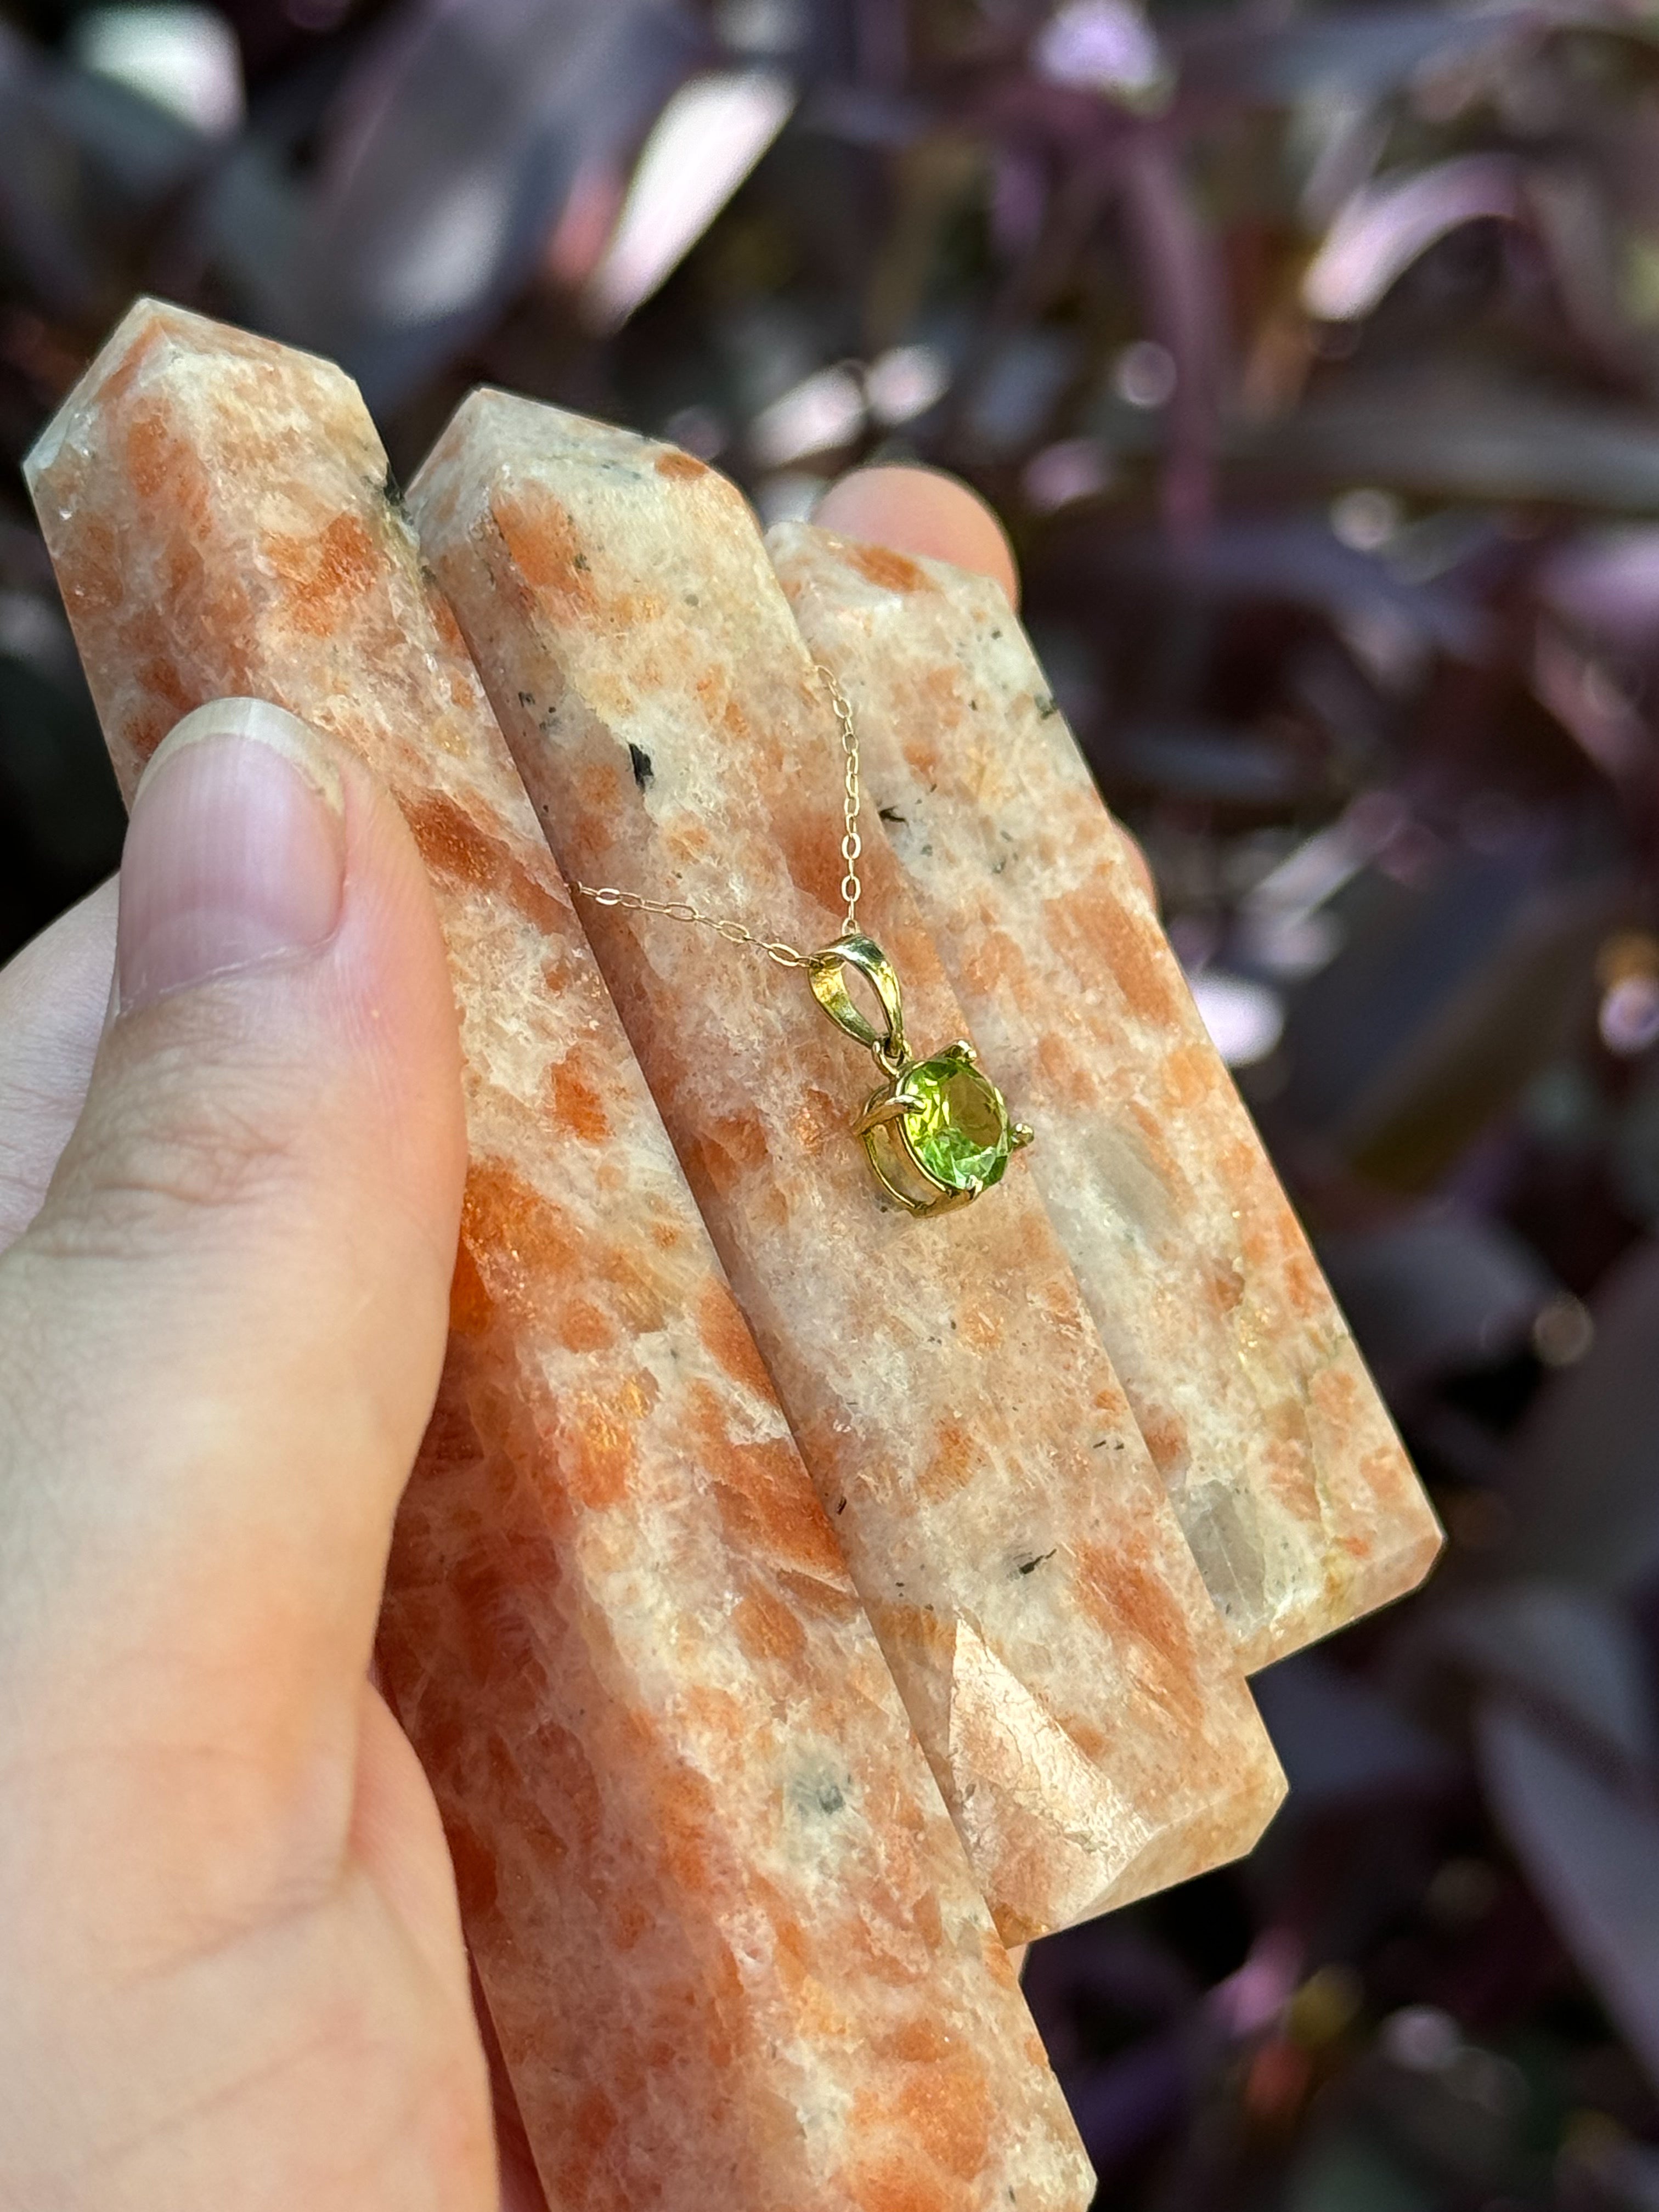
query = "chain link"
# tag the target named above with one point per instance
(851, 845)
(682, 910)
(734, 933)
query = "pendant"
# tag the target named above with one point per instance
(937, 1131)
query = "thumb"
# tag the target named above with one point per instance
(221, 1337)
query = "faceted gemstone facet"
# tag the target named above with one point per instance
(959, 1132)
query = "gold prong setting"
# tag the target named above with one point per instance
(937, 1133)
(886, 1107)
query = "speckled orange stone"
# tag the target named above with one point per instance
(734, 1954)
(1296, 1496)
(1063, 1664)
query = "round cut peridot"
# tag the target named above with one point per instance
(959, 1128)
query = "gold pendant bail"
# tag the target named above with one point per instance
(826, 972)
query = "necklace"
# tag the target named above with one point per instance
(937, 1131)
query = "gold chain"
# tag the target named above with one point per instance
(851, 845)
(734, 933)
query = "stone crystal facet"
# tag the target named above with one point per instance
(730, 1944)
(1299, 1503)
(1013, 1546)
(959, 1128)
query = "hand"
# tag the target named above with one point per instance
(229, 1192)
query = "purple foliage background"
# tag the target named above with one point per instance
(1311, 354)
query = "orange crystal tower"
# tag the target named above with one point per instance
(730, 1944)
(1294, 1491)
(1015, 1552)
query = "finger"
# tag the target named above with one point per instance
(920, 511)
(53, 999)
(221, 1337)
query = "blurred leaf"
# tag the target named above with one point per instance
(1292, 559)
(715, 128)
(1561, 1652)
(88, 166)
(1449, 2104)
(1590, 1850)
(1014, 391)
(1344, 2172)
(252, 228)
(454, 147)
(1606, 583)
(1122, 2104)
(1370, 50)
(1465, 1063)
(1389, 223)
(1232, 767)
(1427, 962)
(1341, 1742)
(1634, 1150)
(1420, 436)
(1431, 1296)
(1584, 1488)
(1182, 280)
(1603, 2170)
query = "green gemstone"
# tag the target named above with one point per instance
(959, 1128)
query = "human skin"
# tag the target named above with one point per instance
(229, 1190)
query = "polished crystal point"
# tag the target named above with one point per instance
(1301, 1507)
(952, 1400)
(732, 1951)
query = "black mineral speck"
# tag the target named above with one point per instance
(643, 770)
(820, 1793)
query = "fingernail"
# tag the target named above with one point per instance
(235, 854)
